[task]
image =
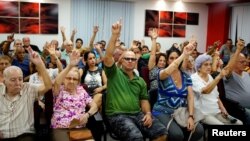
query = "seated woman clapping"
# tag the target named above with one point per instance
(70, 102)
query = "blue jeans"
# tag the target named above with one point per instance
(176, 133)
(131, 128)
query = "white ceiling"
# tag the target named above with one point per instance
(190, 1)
(206, 1)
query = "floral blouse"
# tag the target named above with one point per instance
(68, 107)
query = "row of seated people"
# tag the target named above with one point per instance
(126, 101)
(203, 84)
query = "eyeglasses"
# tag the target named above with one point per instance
(130, 59)
(243, 62)
(4, 64)
(71, 78)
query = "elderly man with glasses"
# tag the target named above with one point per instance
(127, 107)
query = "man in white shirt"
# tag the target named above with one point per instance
(17, 99)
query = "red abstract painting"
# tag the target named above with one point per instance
(192, 18)
(9, 25)
(180, 17)
(165, 30)
(29, 9)
(9, 9)
(166, 17)
(179, 30)
(29, 26)
(49, 18)
(151, 20)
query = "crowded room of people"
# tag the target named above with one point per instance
(124, 70)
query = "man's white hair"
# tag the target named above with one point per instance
(10, 69)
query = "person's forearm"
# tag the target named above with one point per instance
(145, 106)
(59, 64)
(233, 60)
(152, 58)
(108, 59)
(173, 66)
(91, 42)
(93, 108)
(214, 64)
(60, 77)
(208, 89)
(190, 99)
(111, 46)
(63, 36)
(46, 78)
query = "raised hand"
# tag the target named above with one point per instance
(240, 44)
(10, 38)
(188, 49)
(74, 31)
(217, 43)
(96, 29)
(74, 58)
(62, 28)
(153, 33)
(50, 48)
(116, 28)
(34, 57)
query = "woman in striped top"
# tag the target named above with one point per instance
(174, 91)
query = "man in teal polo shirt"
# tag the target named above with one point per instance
(127, 106)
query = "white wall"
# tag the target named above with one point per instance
(64, 20)
(199, 31)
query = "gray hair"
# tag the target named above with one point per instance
(201, 59)
(10, 69)
(66, 42)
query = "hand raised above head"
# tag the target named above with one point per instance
(96, 29)
(153, 33)
(240, 44)
(116, 27)
(10, 38)
(74, 58)
(34, 57)
(217, 43)
(74, 31)
(188, 49)
(51, 49)
(62, 28)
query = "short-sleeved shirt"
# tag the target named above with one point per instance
(24, 65)
(34, 78)
(207, 103)
(69, 106)
(171, 97)
(123, 94)
(237, 88)
(65, 56)
(93, 79)
(17, 116)
(225, 52)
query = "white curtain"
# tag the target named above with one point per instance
(240, 21)
(87, 13)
